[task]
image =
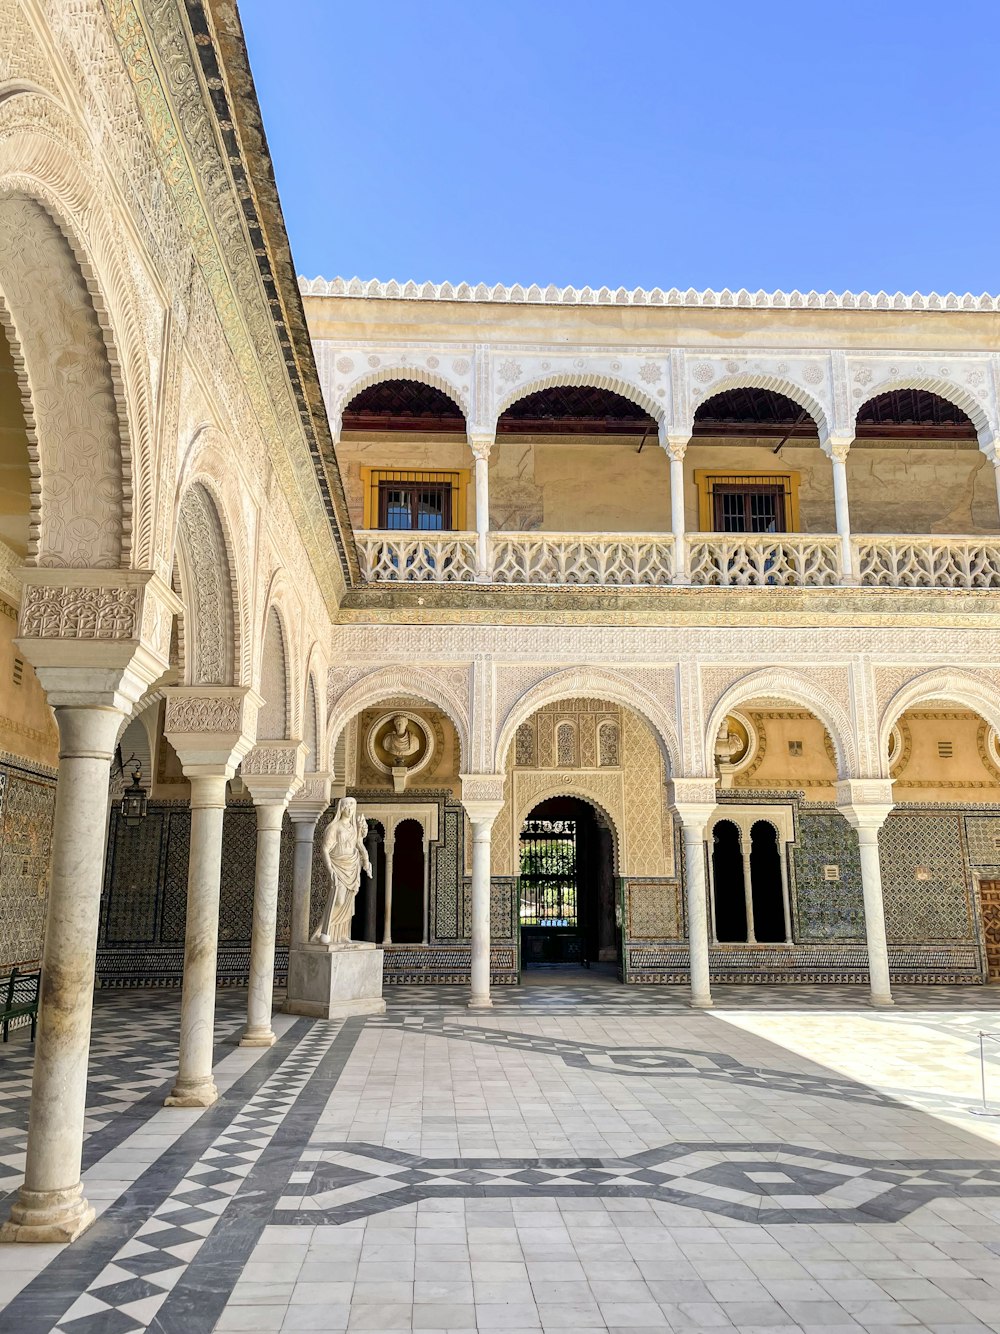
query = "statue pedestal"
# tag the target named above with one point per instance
(334, 981)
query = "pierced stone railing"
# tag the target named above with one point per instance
(414, 557)
(646, 560)
(786, 559)
(928, 562)
(597, 559)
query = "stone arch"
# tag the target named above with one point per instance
(986, 427)
(565, 785)
(208, 462)
(390, 681)
(590, 683)
(800, 691)
(273, 722)
(777, 384)
(48, 167)
(313, 721)
(281, 618)
(77, 435)
(420, 374)
(584, 379)
(211, 630)
(954, 687)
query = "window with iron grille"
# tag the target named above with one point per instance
(417, 505)
(548, 873)
(748, 503)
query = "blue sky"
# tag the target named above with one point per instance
(741, 143)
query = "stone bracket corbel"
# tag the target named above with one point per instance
(273, 771)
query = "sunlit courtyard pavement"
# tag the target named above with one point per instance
(584, 1156)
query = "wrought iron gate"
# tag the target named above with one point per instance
(549, 892)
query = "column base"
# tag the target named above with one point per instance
(882, 1002)
(700, 1003)
(261, 1037)
(480, 1003)
(48, 1215)
(192, 1093)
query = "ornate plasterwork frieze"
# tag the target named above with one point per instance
(373, 289)
(185, 125)
(98, 605)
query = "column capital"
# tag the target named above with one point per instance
(96, 637)
(674, 443)
(865, 803)
(694, 799)
(481, 444)
(273, 771)
(837, 447)
(482, 796)
(210, 727)
(311, 800)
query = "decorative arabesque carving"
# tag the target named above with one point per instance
(209, 623)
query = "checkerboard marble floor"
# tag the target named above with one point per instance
(584, 1156)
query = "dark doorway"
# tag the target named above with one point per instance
(727, 883)
(369, 910)
(765, 881)
(567, 886)
(408, 884)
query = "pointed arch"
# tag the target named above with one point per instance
(800, 691)
(777, 384)
(969, 689)
(585, 379)
(590, 683)
(389, 681)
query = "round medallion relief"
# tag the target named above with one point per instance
(400, 740)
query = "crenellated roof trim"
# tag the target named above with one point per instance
(639, 296)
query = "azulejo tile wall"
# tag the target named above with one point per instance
(27, 805)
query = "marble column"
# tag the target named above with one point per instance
(481, 447)
(371, 884)
(273, 773)
(390, 852)
(746, 844)
(865, 806)
(676, 448)
(837, 450)
(211, 729)
(194, 1085)
(694, 801)
(993, 454)
(50, 1205)
(481, 817)
(97, 640)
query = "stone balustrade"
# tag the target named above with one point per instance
(647, 560)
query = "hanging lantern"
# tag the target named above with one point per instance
(134, 799)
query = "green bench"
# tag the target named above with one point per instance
(19, 997)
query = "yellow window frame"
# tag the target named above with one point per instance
(706, 479)
(371, 479)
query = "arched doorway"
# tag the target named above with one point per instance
(567, 886)
(729, 897)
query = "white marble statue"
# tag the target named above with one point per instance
(400, 743)
(343, 849)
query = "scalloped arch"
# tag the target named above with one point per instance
(586, 379)
(777, 384)
(419, 374)
(799, 690)
(589, 683)
(973, 691)
(311, 687)
(281, 600)
(388, 681)
(986, 427)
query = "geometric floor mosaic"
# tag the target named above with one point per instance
(584, 1156)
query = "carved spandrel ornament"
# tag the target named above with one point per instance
(400, 744)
